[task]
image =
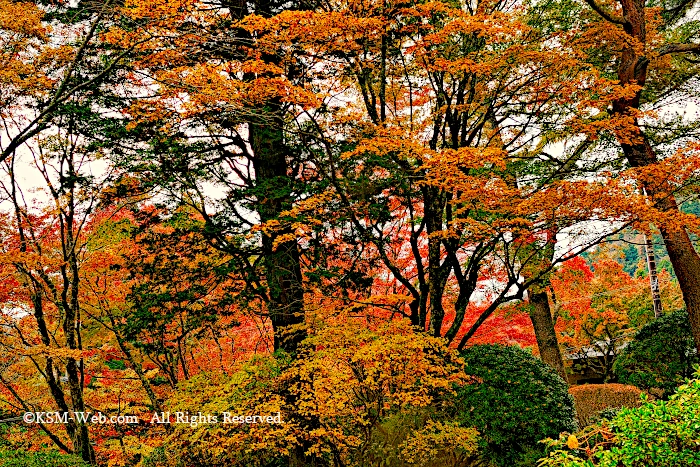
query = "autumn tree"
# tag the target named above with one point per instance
(649, 48)
(368, 130)
(352, 383)
(160, 307)
(240, 102)
(45, 80)
(183, 300)
(44, 74)
(100, 314)
(437, 169)
(41, 255)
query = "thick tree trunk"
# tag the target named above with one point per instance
(541, 313)
(438, 269)
(684, 258)
(281, 260)
(686, 265)
(541, 316)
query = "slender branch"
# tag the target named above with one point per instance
(40, 122)
(57, 441)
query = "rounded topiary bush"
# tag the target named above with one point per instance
(591, 399)
(661, 355)
(517, 401)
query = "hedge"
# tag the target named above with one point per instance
(591, 399)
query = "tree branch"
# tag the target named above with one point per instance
(605, 14)
(678, 48)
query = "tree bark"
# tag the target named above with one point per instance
(281, 261)
(653, 276)
(541, 317)
(541, 313)
(438, 269)
(684, 258)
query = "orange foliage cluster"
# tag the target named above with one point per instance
(116, 374)
(603, 303)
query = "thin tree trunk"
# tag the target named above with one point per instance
(653, 276)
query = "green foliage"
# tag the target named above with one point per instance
(631, 259)
(116, 364)
(661, 356)
(180, 289)
(519, 401)
(656, 434)
(39, 459)
(609, 413)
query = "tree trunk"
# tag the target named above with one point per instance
(653, 276)
(684, 258)
(686, 265)
(541, 313)
(281, 261)
(541, 316)
(438, 269)
(632, 70)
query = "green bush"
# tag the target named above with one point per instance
(518, 401)
(660, 357)
(10, 458)
(609, 413)
(656, 434)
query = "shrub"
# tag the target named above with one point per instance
(655, 434)
(660, 357)
(519, 401)
(609, 413)
(354, 397)
(9, 458)
(415, 440)
(591, 399)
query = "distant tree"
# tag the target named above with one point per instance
(601, 307)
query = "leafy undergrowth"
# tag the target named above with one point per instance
(656, 434)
